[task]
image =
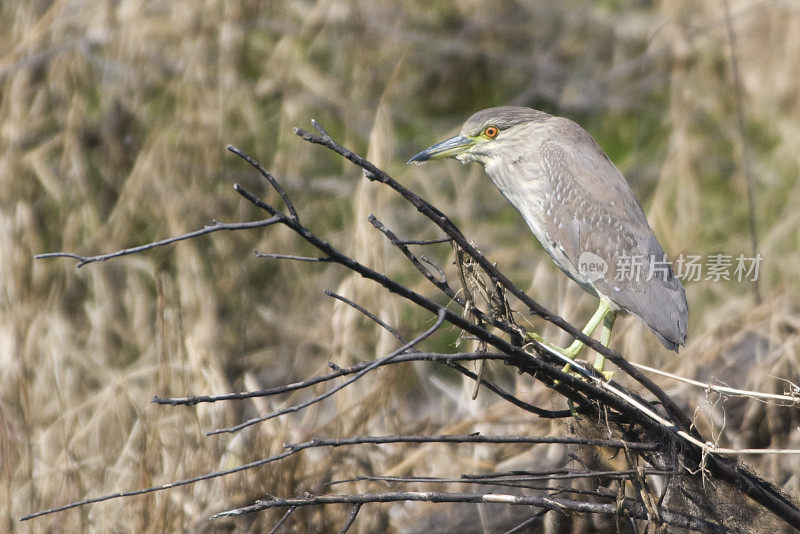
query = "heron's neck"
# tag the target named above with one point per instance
(524, 188)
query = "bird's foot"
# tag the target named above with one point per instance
(572, 352)
(599, 366)
(608, 375)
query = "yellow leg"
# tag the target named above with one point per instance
(575, 347)
(603, 314)
(605, 337)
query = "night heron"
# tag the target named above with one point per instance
(583, 212)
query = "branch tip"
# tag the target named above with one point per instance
(318, 127)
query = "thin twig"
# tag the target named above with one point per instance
(764, 452)
(162, 487)
(215, 227)
(478, 438)
(601, 492)
(367, 313)
(283, 520)
(290, 257)
(447, 359)
(505, 395)
(351, 518)
(562, 474)
(336, 373)
(440, 282)
(271, 179)
(528, 522)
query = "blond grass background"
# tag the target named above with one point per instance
(113, 123)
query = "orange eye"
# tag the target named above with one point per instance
(491, 132)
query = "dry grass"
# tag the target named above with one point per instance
(113, 122)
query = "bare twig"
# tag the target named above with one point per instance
(283, 520)
(271, 179)
(440, 282)
(478, 438)
(290, 257)
(528, 522)
(541, 412)
(547, 414)
(336, 373)
(215, 227)
(351, 518)
(451, 360)
(162, 487)
(368, 314)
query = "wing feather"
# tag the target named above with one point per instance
(593, 210)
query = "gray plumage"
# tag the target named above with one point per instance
(580, 208)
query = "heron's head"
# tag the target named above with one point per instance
(488, 134)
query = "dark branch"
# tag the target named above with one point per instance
(541, 412)
(477, 438)
(600, 492)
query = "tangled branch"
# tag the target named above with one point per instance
(657, 431)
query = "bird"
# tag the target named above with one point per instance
(583, 212)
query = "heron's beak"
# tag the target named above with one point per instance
(446, 149)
